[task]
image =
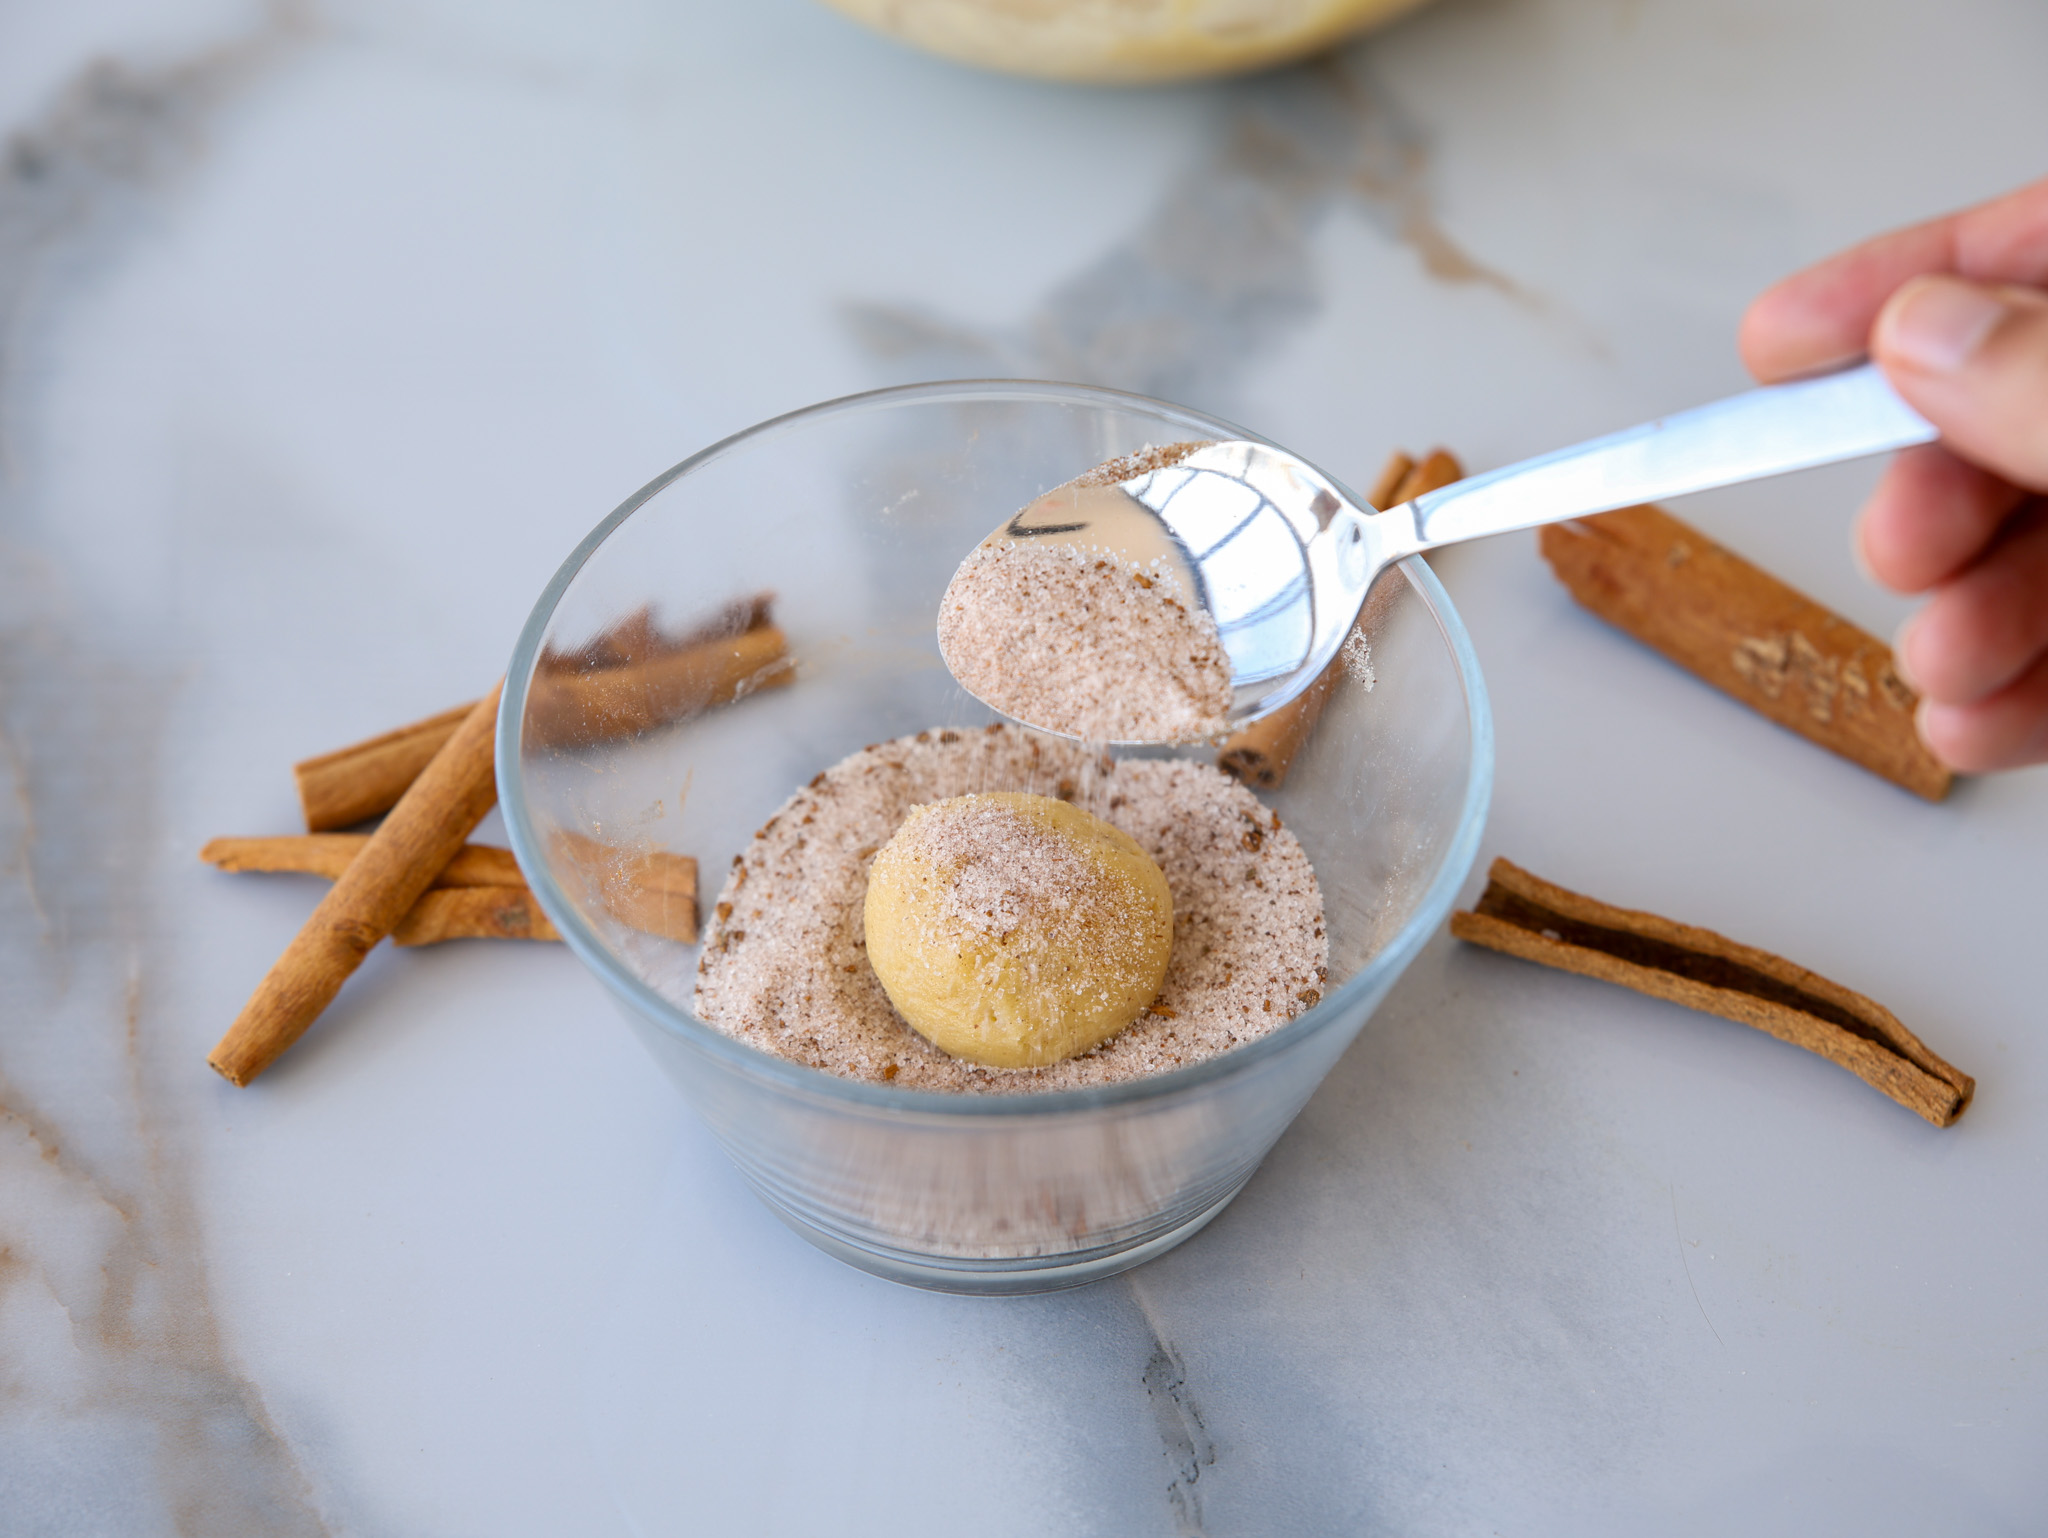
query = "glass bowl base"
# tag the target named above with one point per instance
(998, 1278)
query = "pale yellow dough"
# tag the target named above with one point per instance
(1015, 930)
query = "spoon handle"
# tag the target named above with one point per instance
(1746, 437)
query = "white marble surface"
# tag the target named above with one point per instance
(327, 331)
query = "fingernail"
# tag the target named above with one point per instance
(1901, 639)
(1937, 323)
(1927, 725)
(1941, 727)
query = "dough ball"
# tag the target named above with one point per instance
(1015, 930)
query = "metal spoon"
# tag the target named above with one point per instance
(1282, 557)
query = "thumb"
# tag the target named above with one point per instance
(1973, 359)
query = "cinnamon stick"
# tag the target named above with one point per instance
(329, 854)
(398, 863)
(650, 890)
(1524, 915)
(354, 784)
(576, 708)
(474, 913)
(1386, 491)
(1749, 635)
(1437, 471)
(480, 895)
(504, 910)
(638, 639)
(1263, 752)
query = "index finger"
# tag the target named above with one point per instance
(1822, 316)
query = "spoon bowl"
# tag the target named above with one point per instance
(1241, 525)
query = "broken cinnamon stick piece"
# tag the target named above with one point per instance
(1263, 752)
(1526, 916)
(1749, 635)
(354, 784)
(329, 854)
(651, 890)
(398, 863)
(474, 913)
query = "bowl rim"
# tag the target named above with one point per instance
(1453, 866)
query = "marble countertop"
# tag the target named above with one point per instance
(327, 329)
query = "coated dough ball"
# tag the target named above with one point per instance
(1016, 930)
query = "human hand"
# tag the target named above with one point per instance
(1955, 314)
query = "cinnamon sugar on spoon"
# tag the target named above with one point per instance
(1074, 638)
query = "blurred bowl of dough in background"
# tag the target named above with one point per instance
(1123, 42)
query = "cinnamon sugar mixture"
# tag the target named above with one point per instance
(1153, 456)
(1077, 640)
(1005, 870)
(784, 965)
(1082, 640)
(1019, 883)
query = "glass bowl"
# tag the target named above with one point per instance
(854, 514)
